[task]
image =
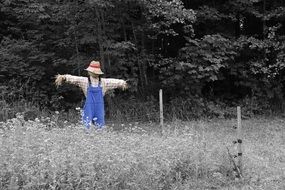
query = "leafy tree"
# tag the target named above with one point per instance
(220, 51)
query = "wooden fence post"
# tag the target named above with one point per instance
(161, 108)
(239, 140)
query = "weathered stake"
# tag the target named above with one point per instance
(239, 140)
(161, 108)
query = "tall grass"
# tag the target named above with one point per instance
(187, 155)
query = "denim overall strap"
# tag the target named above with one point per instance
(93, 111)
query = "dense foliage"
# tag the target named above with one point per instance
(206, 52)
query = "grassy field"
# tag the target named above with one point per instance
(186, 155)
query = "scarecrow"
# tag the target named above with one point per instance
(94, 88)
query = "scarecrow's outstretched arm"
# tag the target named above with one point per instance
(111, 83)
(76, 80)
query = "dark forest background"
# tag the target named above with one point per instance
(208, 56)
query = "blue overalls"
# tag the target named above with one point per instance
(93, 110)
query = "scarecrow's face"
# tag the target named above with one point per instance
(93, 75)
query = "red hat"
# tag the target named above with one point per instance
(94, 67)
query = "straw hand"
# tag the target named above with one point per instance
(125, 86)
(59, 79)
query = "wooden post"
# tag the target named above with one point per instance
(161, 108)
(239, 140)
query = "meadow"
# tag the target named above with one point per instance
(184, 155)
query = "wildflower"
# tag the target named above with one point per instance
(56, 112)
(37, 120)
(78, 108)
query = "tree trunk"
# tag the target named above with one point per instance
(76, 40)
(237, 26)
(263, 19)
(100, 36)
(77, 52)
(134, 34)
(141, 69)
(124, 30)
